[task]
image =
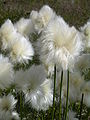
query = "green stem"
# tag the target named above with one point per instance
(81, 105)
(67, 95)
(21, 105)
(54, 93)
(38, 118)
(60, 107)
(42, 115)
(63, 114)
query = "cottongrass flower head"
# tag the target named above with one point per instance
(7, 103)
(31, 77)
(71, 115)
(6, 72)
(86, 91)
(21, 50)
(20, 80)
(60, 43)
(15, 116)
(37, 88)
(7, 34)
(75, 85)
(42, 18)
(5, 115)
(42, 97)
(83, 62)
(35, 76)
(49, 69)
(86, 30)
(24, 26)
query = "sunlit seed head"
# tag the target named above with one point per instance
(7, 34)
(6, 74)
(22, 50)
(24, 26)
(60, 44)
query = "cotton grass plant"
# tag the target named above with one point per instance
(63, 52)
(7, 104)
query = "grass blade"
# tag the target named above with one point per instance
(81, 106)
(67, 95)
(60, 108)
(54, 93)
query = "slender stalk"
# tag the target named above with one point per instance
(54, 93)
(63, 114)
(38, 118)
(42, 115)
(67, 95)
(21, 105)
(81, 105)
(60, 108)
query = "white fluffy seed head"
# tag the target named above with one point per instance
(87, 100)
(42, 18)
(46, 14)
(24, 26)
(5, 115)
(20, 79)
(33, 15)
(31, 78)
(86, 91)
(76, 84)
(60, 43)
(37, 89)
(86, 87)
(21, 50)
(35, 76)
(15, 116)
(7, 103)
(86, 30)
(83, 62)
(49, 69)
(42, 97)
(71, 115)
(7, 34)
(6, 72)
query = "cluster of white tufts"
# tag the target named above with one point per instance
(6, 73)
(7, 106)
(75, 87)
(86, 31)
(71, 115)
(24, 26)
(41, 19)
(13, 39)
(36, 86)
(58, 44)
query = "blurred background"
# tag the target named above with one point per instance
(75, 12)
